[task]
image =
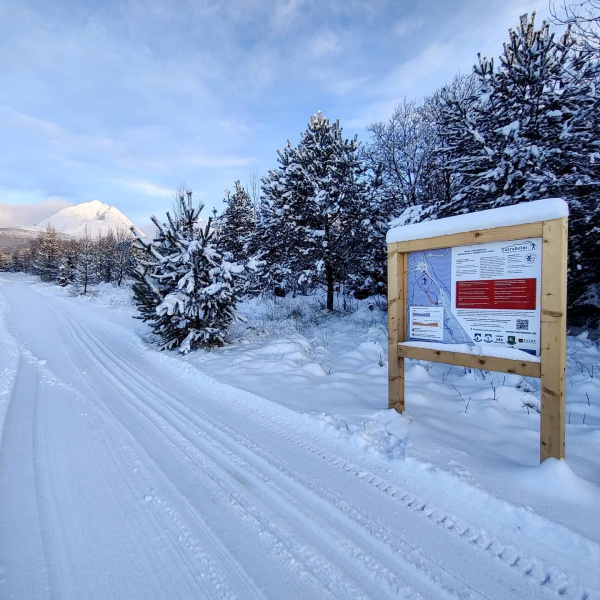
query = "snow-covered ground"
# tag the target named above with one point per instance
(272, 468)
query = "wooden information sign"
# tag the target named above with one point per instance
(474, 298)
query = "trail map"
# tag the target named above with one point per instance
(486, 294)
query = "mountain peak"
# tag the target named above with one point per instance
(95, 217)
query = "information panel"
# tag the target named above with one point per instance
(486, 294)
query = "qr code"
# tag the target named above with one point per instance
(522, 324)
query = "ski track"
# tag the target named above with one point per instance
(118, 480)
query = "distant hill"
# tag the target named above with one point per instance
(17, 237)
(95, 217)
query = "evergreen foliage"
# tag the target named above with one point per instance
(48, 254)
(184, 288)
(67, 269)
(4, 260)
(106, 257)
(20, 260)
(236, 226)
(530, 131)
(86, 273)
(314, 226)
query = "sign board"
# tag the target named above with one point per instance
(494, 296)
(486, 294)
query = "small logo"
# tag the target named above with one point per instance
(488, 338)
(477, 337)
(511, 340)
(531, 258)
(526, 246)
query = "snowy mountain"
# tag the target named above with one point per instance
(95, 217)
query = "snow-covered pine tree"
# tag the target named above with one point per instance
(67, 270)
(275, 233)
(314, 221)
(4, 260)
(530, 131)
(106, 256)
(185, 289)
(85, 272)
(236, 225)
(21, 260)
(369, 276)
(48, 255)
(123, 260)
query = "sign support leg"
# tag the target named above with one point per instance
(396, 327)
(553, 339)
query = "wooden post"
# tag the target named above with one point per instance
(402, 324)
(396, 328)
(553, 338)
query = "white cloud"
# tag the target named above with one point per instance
(145, 187)
(202, 160)
(285, 14)
(323, 44)
(29, 214)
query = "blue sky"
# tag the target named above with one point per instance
(123, 101)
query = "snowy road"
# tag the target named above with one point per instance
(125, 473)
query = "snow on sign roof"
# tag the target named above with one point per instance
(518, 214)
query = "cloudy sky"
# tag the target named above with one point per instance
(121, 101)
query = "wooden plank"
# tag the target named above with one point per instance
(402, 325)
(483, 236)
(553, 338)
(395, 302)
(393, 299)
(472, 361)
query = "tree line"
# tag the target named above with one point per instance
(522, 128)
(77, 262)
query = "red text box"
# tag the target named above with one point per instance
(502, 294)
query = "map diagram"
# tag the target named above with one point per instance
(429, 286)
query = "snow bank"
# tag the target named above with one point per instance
(528, 212)
(9, 357)
(384, 433)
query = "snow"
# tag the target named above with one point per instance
(520, 214)
(477, 350)
(272, 467)
(510, 128)
(411, 214)
(95, 217)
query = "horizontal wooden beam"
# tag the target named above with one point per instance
(467, 238)
(472, 361)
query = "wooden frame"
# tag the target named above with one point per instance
(552, 365)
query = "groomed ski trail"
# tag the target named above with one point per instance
(126, 474)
